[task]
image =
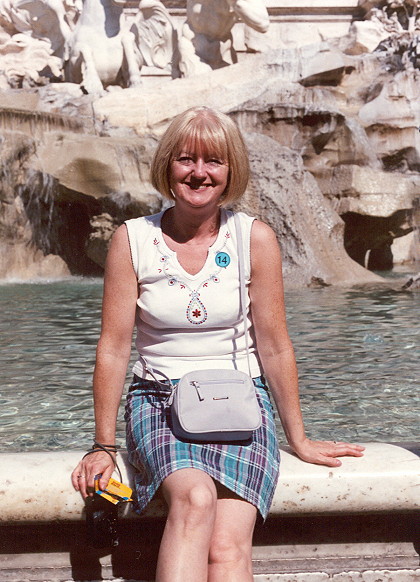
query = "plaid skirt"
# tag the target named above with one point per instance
(250, 469)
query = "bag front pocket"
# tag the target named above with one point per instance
(214, 389)
(216, 405)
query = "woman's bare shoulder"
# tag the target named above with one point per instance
(263, 235)
(121, 234)
(119, 253)
(261, 230)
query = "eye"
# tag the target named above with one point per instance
(215, 162)
(183, 159)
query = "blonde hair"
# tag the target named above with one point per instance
(218, 134)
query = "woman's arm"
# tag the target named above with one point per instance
(276, 351)
(112, 357)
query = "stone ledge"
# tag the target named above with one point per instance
(36, 487)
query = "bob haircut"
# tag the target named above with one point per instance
(203, 128)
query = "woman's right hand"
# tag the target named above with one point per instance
(97, 463)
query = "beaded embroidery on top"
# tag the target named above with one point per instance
(196, 312)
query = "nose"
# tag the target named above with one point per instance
(199, 169)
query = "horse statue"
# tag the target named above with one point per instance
(106, 50)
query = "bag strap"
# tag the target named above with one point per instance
(149, 370)
(241, 268)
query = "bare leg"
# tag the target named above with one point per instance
(192, 498)
(230, 556)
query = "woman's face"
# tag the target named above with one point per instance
(198, 178)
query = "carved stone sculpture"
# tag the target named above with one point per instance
(45, 20)
(206, 39)
(22, 59)
(96, 49)
(33, 36)
(155, 38)
(397, 22)
(48, 20)
(104, 51)
(90, 43)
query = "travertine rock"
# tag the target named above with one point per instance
(363, 37)
(288, 198)
(370, 191)
(103, 227)
(321, 65)
(392, 119)
(20, 262)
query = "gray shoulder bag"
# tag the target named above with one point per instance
(216, 405)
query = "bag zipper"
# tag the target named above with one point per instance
(232, 381)
(197, 384)
(197, 389)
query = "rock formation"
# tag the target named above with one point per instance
(333, 139)
(310, 231)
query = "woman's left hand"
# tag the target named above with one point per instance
(326, 452)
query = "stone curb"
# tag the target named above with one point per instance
(36, 487)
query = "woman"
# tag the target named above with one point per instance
(163, 274)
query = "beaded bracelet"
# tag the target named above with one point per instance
(109, 449)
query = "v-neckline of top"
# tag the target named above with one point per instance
(215, 244)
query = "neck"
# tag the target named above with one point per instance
(183, 227)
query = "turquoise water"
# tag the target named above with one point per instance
(357, 351)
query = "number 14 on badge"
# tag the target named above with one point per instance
(222, 260)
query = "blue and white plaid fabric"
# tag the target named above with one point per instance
(250, 470)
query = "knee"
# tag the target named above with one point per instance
(201, 499)
(195, 506)
(228, 550)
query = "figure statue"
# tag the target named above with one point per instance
(104, 51)
(26, 62)
(406, 12)
(155, 39)
(33, 39)
(45, 20)
(206, 39)
(48, 20)
(390, 26)
(400, 21)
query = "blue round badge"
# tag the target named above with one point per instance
(222, 260)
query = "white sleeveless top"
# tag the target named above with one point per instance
(190, 322)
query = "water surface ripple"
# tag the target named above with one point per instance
(357, 352)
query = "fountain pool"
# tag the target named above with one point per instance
(357, 350)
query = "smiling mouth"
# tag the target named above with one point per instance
(198, 186)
